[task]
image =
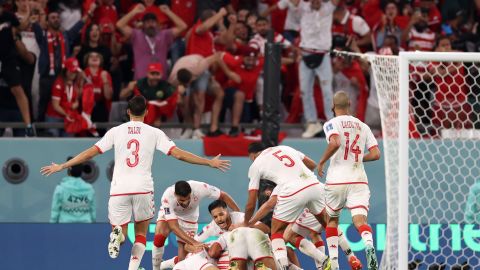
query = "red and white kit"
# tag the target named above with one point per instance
(187, 217)
(131, 190)
(346, 182)
(213, 230)
(298, 187)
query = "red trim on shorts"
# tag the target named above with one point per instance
(288, 222)
(261, 258)
(125, 224)
(286, 196)
(166, 220)
(358, 206)
(346, 183)
(190, 222)
(305, 227)
(237, 259)
(276, 236)
(145, 219)
(376, 145)
(170, 150)
(335, 210)
(98, 148)
(134, 193)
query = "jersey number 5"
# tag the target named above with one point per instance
(354, 148)
(134, 153)
(281, 158)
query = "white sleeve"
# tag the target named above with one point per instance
(360, 26)
(164, 143)
(274, 192)
(371, 141)
(254, 176)
(106, 143)
(222, 242)
(205, 190)
(206, 232)
(167, 206)
(330, 129)
(329, 7)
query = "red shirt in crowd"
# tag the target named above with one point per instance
(161, 17)
(185, 9)
(66, 94)
(200, 43)
(109, 12)
(97, 82)
(249, 77)
(451, 88)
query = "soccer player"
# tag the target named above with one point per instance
(346, 181)
(298, 188)
(307, 225)
(179, 214)
(132, 184)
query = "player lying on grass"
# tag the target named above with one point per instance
(179, 214)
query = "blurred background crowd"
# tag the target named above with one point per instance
(200, 63)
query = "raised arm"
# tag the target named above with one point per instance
(216, 162)
(333, 145)
(122, 24)
(250, 206)
(175, 228)
(127, 91)
(180, 25)
(229, 201)
(211, 22)
(78, 159)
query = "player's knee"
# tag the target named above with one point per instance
(364, 228)
(159, 240)
(141, 239)
(278, 235)
(298, 241)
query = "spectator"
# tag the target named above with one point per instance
(64, 105)
(106, 10)
(101, 81)
(418, 34)
(161, 95)
(186, 10)
(316, 28)
(349, 25)
(55, 47)
(73, 200)
(150, 45)
(215, 5)
(391, 24)
(92, 44)
(70, 13)
(243, 72)
(292, 21)
(200, 40)
(150, 7)
(186, 71)
(10, 76)
(434, 16)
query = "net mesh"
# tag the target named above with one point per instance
(444, 161)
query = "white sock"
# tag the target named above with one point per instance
(366, 233)
(157, 254)
(136, 258)
(320, 246)
(344, 245)
(168, 264)
(280, 251)
(332, 243)
(308, 248)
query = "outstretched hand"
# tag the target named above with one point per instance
(51, 169)
(320, 169)
(222, 165)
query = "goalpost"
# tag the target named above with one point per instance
(430, 112)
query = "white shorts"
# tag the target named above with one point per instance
(244, 243)
(189, 227)
(355, 197)
(305, 224)
(196, 261)
(289, 207)
(120, 208)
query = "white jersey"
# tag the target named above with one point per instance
(173, 210)
(135, 144)
(346, 165)
(213, 230)
(284, 166)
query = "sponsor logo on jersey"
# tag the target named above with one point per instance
(329, 127)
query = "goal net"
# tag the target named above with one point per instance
(430, 112)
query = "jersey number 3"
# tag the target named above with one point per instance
(290, 163)
(134, 153)
(354, 148)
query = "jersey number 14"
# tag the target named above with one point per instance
(354, 148)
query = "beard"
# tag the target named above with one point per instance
(421, 26)
(151, 31)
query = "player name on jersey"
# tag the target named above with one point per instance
(350, 124)
(134, 130)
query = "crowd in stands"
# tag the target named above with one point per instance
(201, 62)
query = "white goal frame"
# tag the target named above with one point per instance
(403, 137)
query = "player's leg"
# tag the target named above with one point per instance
(259, 249)
(161, 233)
(143, 211)
(304, 245)
(169, 264)
(189, 228)
(182, 253)
(201, 85)
(119, 214)
(237, 249)
(239, 100)
(358, 202)
(278, 244)
(219, 94)
(292, 258)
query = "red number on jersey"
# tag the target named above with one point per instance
(281, 158)
(134, 152)
(354, 148)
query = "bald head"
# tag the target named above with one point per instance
(341, 101)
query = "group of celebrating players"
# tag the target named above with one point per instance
(303, 206)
